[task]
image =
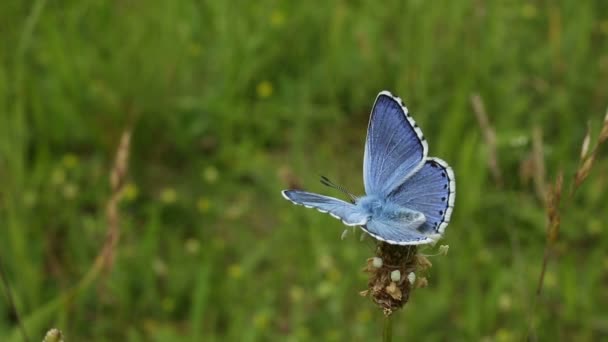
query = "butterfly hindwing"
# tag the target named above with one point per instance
(431, 191)
(395, 147)
(396, 233)
(347, 212)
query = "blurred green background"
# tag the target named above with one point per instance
(229, 103)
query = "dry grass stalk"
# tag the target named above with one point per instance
(555, 208)
(538, 161)
(532, 168)
(105, 258)
(586, 142)
(554, 196)
(604, 133)
(588, 158)
(118, 174)
(489, 136)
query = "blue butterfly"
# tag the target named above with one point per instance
(409, 196)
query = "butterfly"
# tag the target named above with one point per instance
(409, 197)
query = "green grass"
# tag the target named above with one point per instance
(231, 103)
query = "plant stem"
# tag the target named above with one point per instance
(387, 332)
(11, 302)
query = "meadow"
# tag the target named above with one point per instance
(227, 103)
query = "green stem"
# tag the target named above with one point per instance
(11, 303)
(387, 333)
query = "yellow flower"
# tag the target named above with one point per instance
(264, 89)
(595, 227)
(528, 11)
(260, 320)
(504, 335)
(192, 246)
(195, 49)
(70, 160)
(550, 280)
(334, 275)
(130, 192)
(604, 27)
(58, 177)
(160, 267)
(234, 211)
(324, 289)
(296, 294)
(168, 195)
(504, 302)
(203, 204)
(70, 190)
(326, 262)
(235, 271)
(210, 174)
(30, 198)
(484, 256)
(168, 304)
(277, 18)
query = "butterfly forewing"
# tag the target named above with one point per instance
(347, 212)
(395, 147)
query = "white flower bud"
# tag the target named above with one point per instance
(411, 278)
(396, 275)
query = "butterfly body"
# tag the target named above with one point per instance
(409, 196)
(381, 209)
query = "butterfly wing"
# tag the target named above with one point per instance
(396, 233)
(395, 147)
(431, 191)
(348, 213)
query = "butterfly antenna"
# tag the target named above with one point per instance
(325, 181)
